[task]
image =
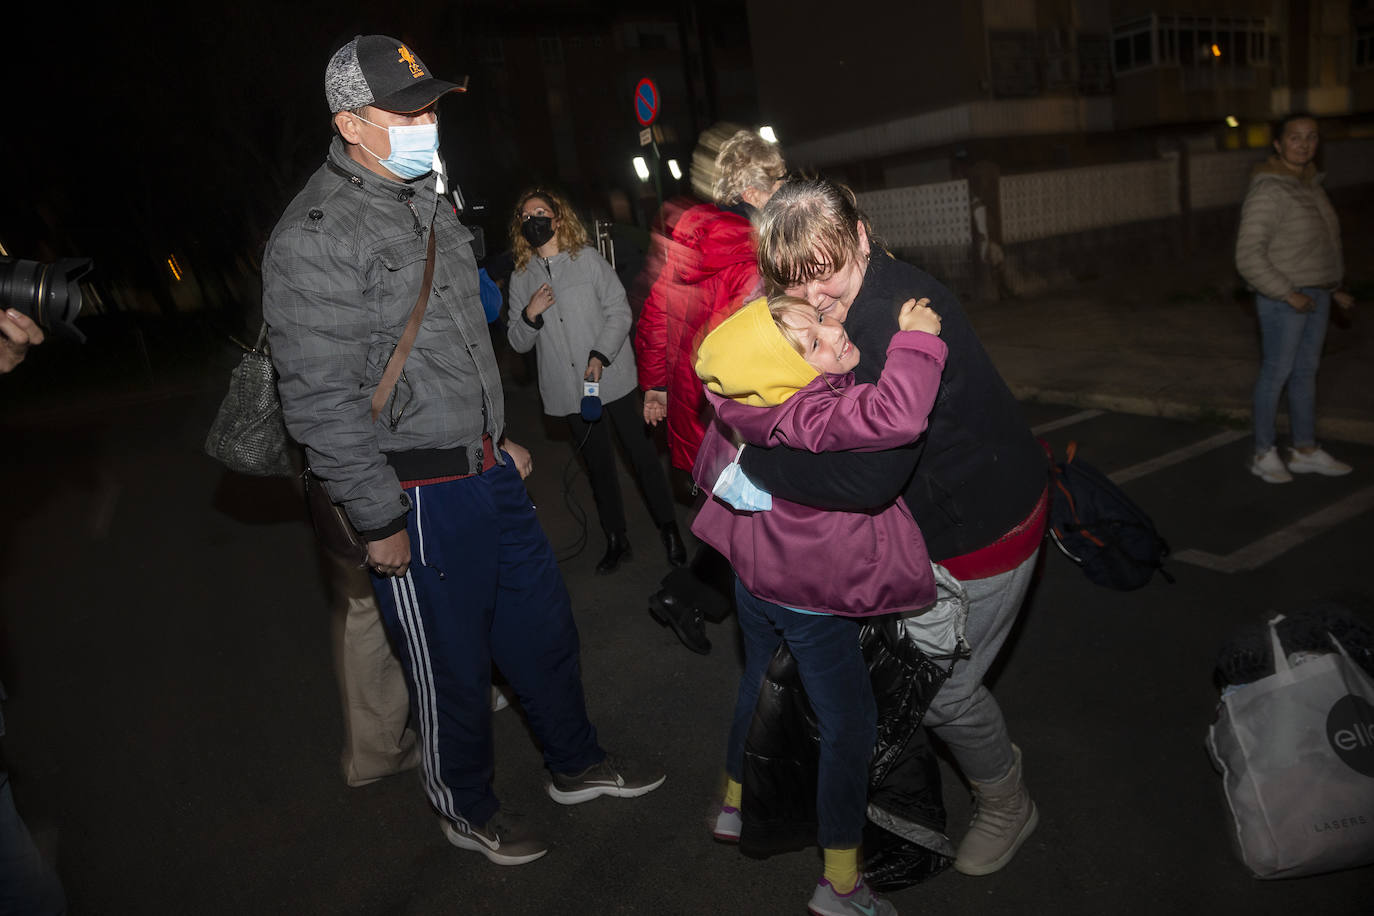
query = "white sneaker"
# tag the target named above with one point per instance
(1317, 462)
(861, 901)
(729, 823)
(498, 699)
(1269, 467)
(505, 839)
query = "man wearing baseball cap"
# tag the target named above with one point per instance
(463, 572)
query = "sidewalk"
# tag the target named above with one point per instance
(1185, 345)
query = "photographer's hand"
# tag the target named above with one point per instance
(18, 332)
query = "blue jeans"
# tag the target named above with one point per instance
(1291, 343)
(836, 681)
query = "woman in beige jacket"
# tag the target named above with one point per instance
(1289, 250)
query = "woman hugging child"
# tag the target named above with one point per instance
(778, 373)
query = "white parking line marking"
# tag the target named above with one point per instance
(1253, 556)
(1070, 420)
(1177, 456)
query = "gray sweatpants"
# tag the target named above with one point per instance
(964, 713)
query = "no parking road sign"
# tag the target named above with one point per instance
(646, 102)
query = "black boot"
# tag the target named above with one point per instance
(672, 543)
(671, 611)
(617, 549)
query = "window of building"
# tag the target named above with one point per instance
(1094, 65)
(551, 50)
(1364, 48)
(1013, 56)
(1131, 44)
(1230, 43)
(1060, 62)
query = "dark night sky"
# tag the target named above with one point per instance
(180, 127)
(144, 131)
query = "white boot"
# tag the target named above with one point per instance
(1003, 817)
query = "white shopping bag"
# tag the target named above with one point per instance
(1296, 752)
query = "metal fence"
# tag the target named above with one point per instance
(1053, 221)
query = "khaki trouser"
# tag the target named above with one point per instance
(378, 741)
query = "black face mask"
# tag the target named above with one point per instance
(537, 230)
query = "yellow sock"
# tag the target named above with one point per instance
(733, 793)
(842, 868)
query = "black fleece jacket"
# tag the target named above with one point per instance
(975, 473)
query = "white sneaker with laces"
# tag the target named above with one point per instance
(1316, 462)
(619, 777)
(1269, 467)
(505, 839)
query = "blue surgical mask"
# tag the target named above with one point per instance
(735, 488)
(412, 148)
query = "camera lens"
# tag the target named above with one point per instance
(50, 294)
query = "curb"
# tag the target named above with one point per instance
(1336, 429)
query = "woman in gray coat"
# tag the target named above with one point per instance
(1289, 250)
(567, 303)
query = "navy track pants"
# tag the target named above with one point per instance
(483, 587)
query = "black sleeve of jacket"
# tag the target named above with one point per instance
(377, 534)
(848, 481)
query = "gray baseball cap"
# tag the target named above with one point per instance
(380, 71)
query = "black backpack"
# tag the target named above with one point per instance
(1096, 525)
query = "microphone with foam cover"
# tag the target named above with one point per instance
(591, 401)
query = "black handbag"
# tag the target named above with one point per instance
(248, 434)
(332, 525)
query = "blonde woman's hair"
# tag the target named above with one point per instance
(808, 229)
(745, 161)
(782, 306)
(728, 159)
(571, 235)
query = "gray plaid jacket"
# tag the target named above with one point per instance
(340, 278)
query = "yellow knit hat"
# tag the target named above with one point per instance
(748, 360)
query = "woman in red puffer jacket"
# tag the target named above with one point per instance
(704, 269)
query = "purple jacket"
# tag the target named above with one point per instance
(854, 564)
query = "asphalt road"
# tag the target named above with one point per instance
(174, 727)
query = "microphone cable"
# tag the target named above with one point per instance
(570, 471)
